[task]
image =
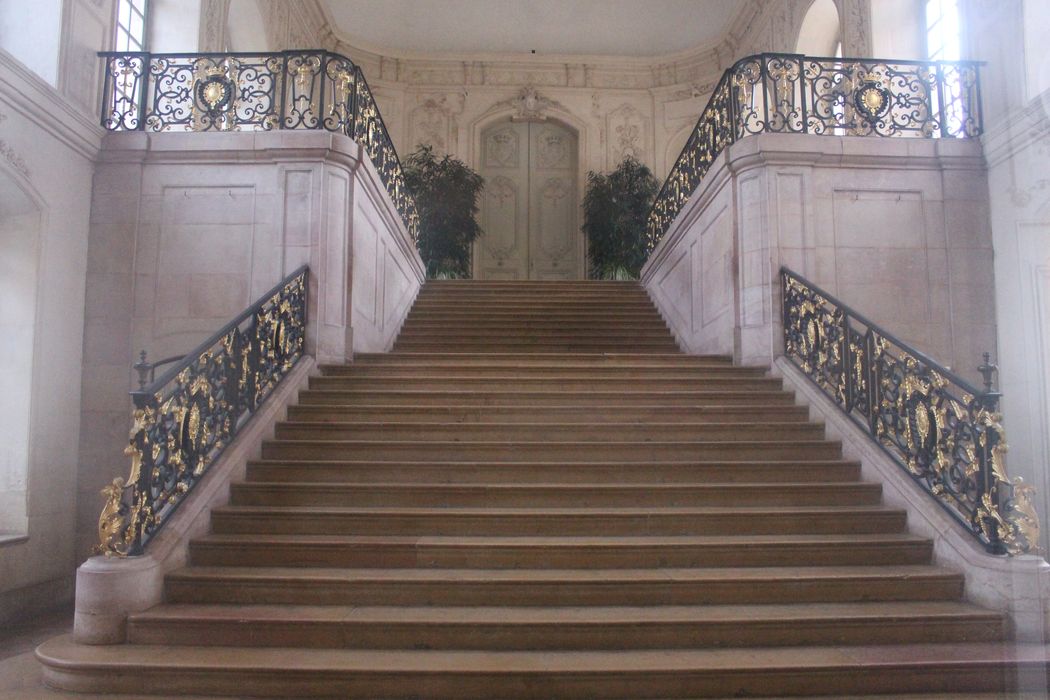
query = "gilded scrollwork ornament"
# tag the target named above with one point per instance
(946, 434)
(185, 419)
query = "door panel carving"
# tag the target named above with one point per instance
(529, 210)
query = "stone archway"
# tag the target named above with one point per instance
(21, 216)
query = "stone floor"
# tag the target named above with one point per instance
(20, 675)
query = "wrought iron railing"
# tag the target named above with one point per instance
(945, 433)
(794, 94)
(184, 420)
(253, 92)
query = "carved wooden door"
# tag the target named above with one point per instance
(529, 205)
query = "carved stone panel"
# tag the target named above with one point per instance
(503, 248)
(628, 135)
(430, 126)
(553, 229)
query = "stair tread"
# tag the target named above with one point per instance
(337, 425)
(509, 615)
(568, 486)
(771, 463)
(61, 652)
(682, 358)
(539, 511)
(550, 542)
(743, 443)
(612, 577)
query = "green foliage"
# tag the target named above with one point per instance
(446, 191)
(615, 209)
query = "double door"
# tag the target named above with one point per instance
(529, 208)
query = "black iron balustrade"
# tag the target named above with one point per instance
(945, 433)
(253, 92)
(184, 420)
(795, 94)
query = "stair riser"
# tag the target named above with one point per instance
(587, 433)
(535, 337)
(481, 474)
(641, 400)
(539, 451)
(611, 684)
(452, 359)
(580, 320)
(247, 494)
(573, 415)
(459, 342)
(578, 372)
(537, 346)
(359, 555)
(457, 524)
(543, 383)
(587, 309)
(450, 635)
(539, 323)
(611, 592)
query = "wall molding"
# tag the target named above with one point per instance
(1018, 131)
(44, 106)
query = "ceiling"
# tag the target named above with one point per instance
(551, 27)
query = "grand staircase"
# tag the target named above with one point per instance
(536, 495)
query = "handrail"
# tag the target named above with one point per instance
(792, 93)
(297, 89)
(944, 432)
(183, 421)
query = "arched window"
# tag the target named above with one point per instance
(820, 35)
(246, 28)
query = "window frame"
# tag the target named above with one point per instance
(123, 39)
(928, 30)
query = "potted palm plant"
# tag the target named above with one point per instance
(615, 208)
(446, 191)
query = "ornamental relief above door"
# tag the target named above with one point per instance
(529, 208)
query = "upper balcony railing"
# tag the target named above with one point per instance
(795, 94)
(253, 92)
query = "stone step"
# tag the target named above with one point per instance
(792, 583)
(537, 346)
(610, 472)
(582, 432)
(562, 370)
(553, 495)
(581, 552)
(514, 359)
(595, 307)
(563, 415)
(545, 450)
(564, 628)
(551, 521)
(510, 382)
(557, 675)
(534, 335)
(550, 397)
(538, 321)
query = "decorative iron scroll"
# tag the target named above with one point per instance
(253, 92)
(184, 420)
(795, 94)
(944, 432)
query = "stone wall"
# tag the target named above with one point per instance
(195, 227)
(46, 151)
(896, 228)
